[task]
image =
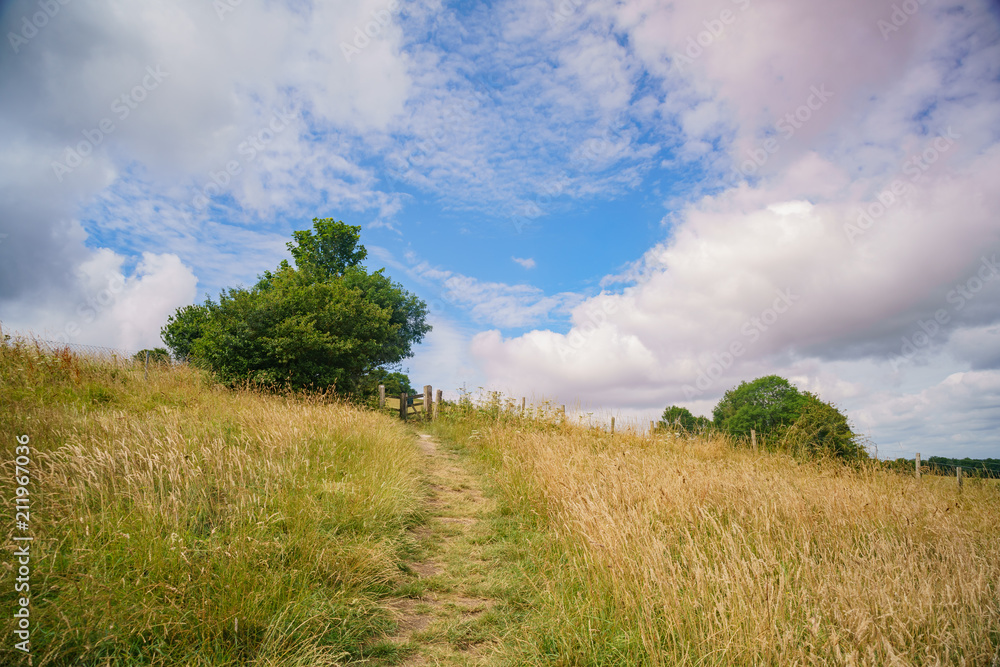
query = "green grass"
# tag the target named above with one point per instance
(179, 523)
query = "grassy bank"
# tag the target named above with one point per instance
(178, 523)
(669, 551)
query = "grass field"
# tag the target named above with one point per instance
(178, 523)
(668, 551)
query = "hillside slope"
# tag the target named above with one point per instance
(175, 522)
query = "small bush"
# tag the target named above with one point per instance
(157, 355)
(821, 430)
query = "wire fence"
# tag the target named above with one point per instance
(96, 351)
(970, 469)
(121, 355)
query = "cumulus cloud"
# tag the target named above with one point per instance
(105, 307)
(840, 244)
(826, 182)
(118, 145)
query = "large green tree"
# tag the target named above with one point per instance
(787, 419)
(765, 405)
(326, 322)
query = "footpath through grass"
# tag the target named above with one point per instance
(466, 593)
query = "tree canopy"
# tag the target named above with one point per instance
(784, 418)
(764, 405)
(328, 249)
(325, 323)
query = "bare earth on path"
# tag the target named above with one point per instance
(447, 616)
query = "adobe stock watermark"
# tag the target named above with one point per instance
(714, 30)
(31, 27)
(915, 166)
(122, 107)
(958, 297)
(899, 17)
(751, 329)
(88, 310)
(563, 11)
(248, 151)
(224, 7)
(787, 125)
(372, 29)
(596, 317)
(22, 521)
(530, 211)
(455, 115)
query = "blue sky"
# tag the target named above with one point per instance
(621, 205)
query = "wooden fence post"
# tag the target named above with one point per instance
(427, 401)
(402, 406)
(381, 396)
(522, 405)
(145, 374)
(612, 426)
(753, 439)
(562, 411)
(958, 473)
(437, 403)
(916, 462)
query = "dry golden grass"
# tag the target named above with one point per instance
(688, 551)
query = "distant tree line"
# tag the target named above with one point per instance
(778, 416)
(941, 465)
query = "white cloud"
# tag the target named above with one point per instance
(958, 414)
(581, 106)
(107, 308)
(702, 305)
(182, 94)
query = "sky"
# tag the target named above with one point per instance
(617, 206)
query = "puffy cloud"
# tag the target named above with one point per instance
(872, 218)
(119, 117)
(105, 307)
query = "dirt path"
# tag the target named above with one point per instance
(447, 616)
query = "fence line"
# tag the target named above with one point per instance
(53, 346)
(431, 408)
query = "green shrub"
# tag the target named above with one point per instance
(784, 418)
(678, 418)
(822, 430)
